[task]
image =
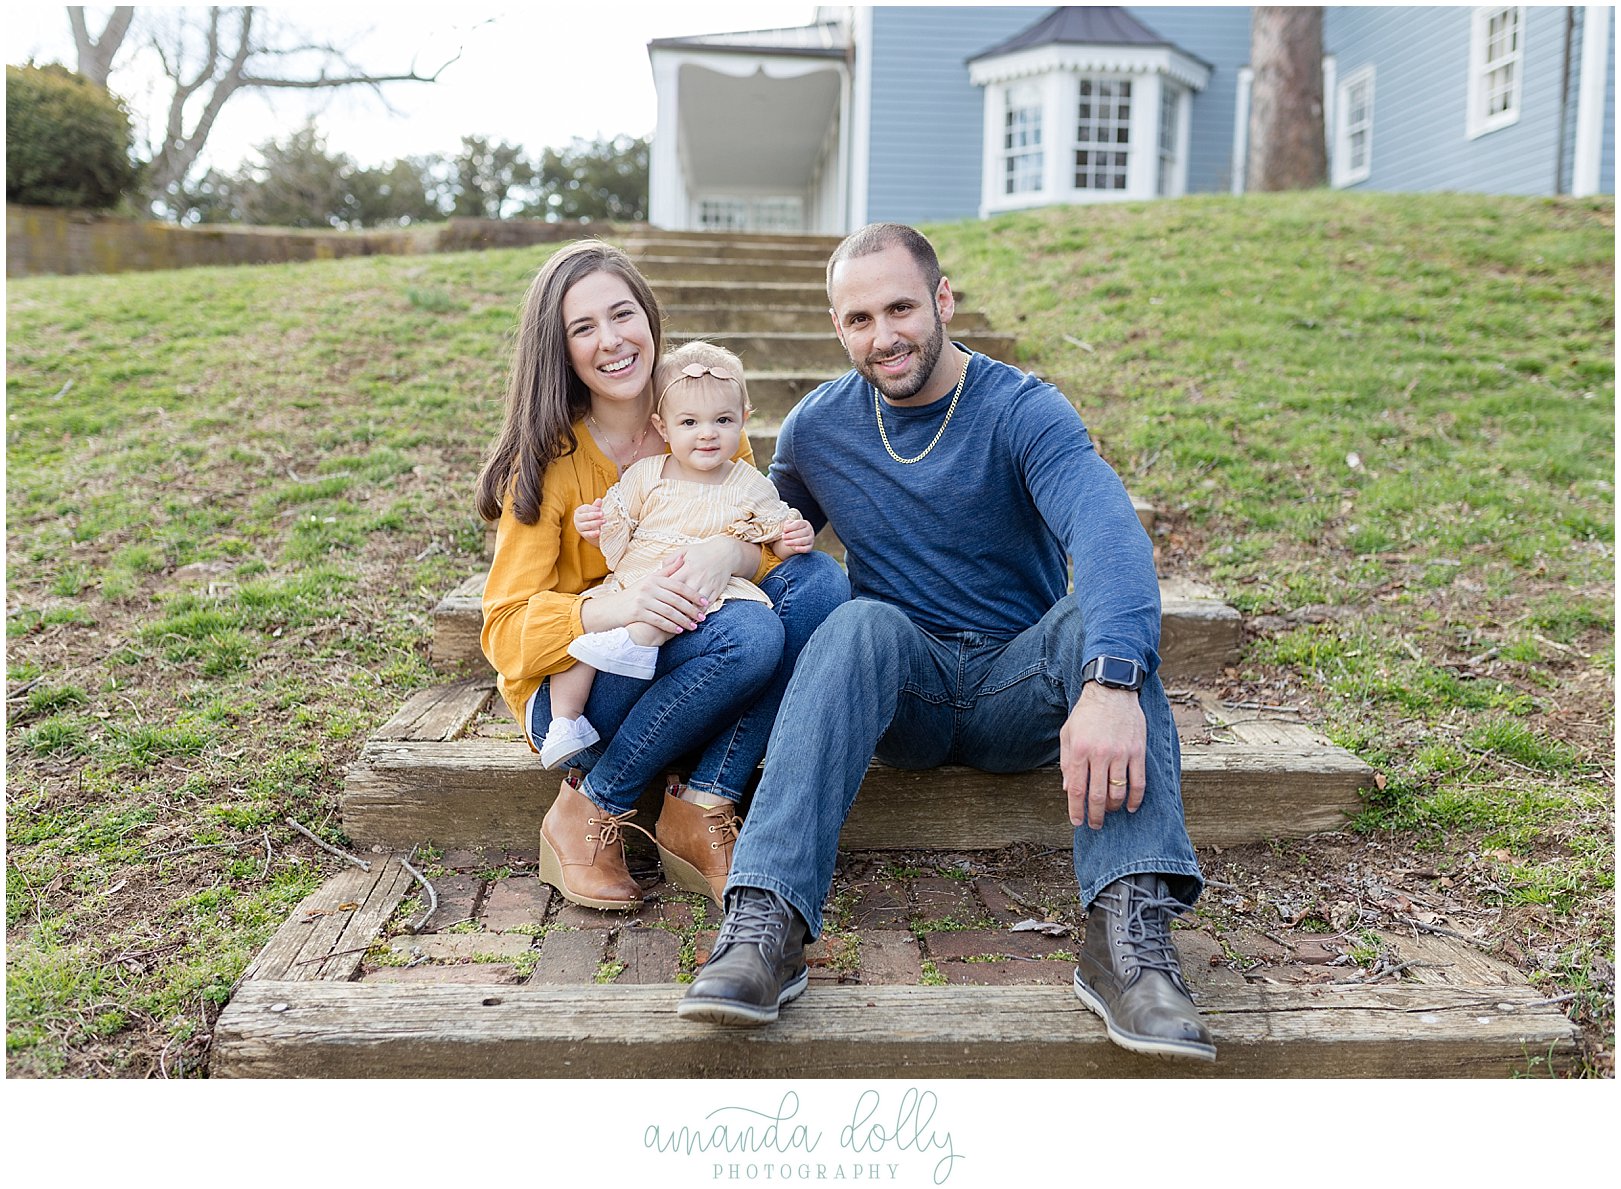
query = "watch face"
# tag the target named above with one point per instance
(1116, 672)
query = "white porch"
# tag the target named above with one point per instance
(762, 130)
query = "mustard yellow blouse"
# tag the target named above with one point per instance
(532, 595)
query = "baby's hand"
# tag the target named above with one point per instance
(797, 537)
(588, 520)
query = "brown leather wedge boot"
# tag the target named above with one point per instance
(582, 851)
(695, 843)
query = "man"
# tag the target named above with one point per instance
(957, 485)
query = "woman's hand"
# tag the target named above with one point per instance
(709, 565)
(660, 600)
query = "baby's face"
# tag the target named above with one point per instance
(703, 424)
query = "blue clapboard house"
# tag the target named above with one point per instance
(933, 113)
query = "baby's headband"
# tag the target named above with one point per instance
(694, 371)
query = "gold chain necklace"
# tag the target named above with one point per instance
(613, 453)
(878, 412)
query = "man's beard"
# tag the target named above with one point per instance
(924, 357)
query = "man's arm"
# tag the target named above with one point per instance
(1103, 743)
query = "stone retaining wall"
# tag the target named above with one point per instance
(40, 240)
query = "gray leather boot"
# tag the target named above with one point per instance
(1130, 975)
(757, 965)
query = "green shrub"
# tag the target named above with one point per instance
(67, 140)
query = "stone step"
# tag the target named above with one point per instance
(702, 321)
(1199, 634)
(328, 998)
(819, 348)
(451, 769)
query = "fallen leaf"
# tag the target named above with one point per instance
(347, 907)
(1048, 928)
(1379, 781)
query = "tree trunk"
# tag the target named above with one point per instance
(1286, 142)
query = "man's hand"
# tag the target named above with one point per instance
(588, 520)
(1102, 750)
(797, 537)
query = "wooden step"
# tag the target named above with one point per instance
(702, 321)
(1199, 634)
(820, 349)
(306, 1007)
(661, 269)
(451, 769)
(705, 291)
(810, 241)
(771, 251)
(368, 1030)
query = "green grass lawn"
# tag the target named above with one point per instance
(1381, 426)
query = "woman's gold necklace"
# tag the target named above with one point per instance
(878, 411)
(613, 453)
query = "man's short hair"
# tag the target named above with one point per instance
(876, 237)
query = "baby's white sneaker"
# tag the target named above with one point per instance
(565, 739)
(614, 651)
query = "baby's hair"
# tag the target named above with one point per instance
(673, 370)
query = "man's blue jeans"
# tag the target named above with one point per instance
(713, 697)
(871, 682)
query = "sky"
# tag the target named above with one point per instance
(535, 75)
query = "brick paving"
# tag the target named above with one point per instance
(891, 919)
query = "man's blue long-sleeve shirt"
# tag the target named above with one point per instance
(973, 537)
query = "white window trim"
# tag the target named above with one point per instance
(1479, 123)
(1343, 174)
(1142, 160)
(1036, 97)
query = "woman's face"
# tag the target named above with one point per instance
(610, 344)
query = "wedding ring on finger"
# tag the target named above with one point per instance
(1116, 782)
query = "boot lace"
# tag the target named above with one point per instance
(725, 823)
(756, 918)
(1144, 917)
(613, 828)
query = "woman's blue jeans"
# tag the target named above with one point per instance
(714, 694)
(873, 683)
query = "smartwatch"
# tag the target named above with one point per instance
(1112, 672)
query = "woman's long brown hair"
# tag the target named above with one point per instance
(544, 396)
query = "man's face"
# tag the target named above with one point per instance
(891, 326)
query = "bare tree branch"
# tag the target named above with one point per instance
(96, 54)
(238, 52)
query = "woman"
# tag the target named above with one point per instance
(578, 410)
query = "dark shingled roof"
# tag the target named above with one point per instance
(1077, 24)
